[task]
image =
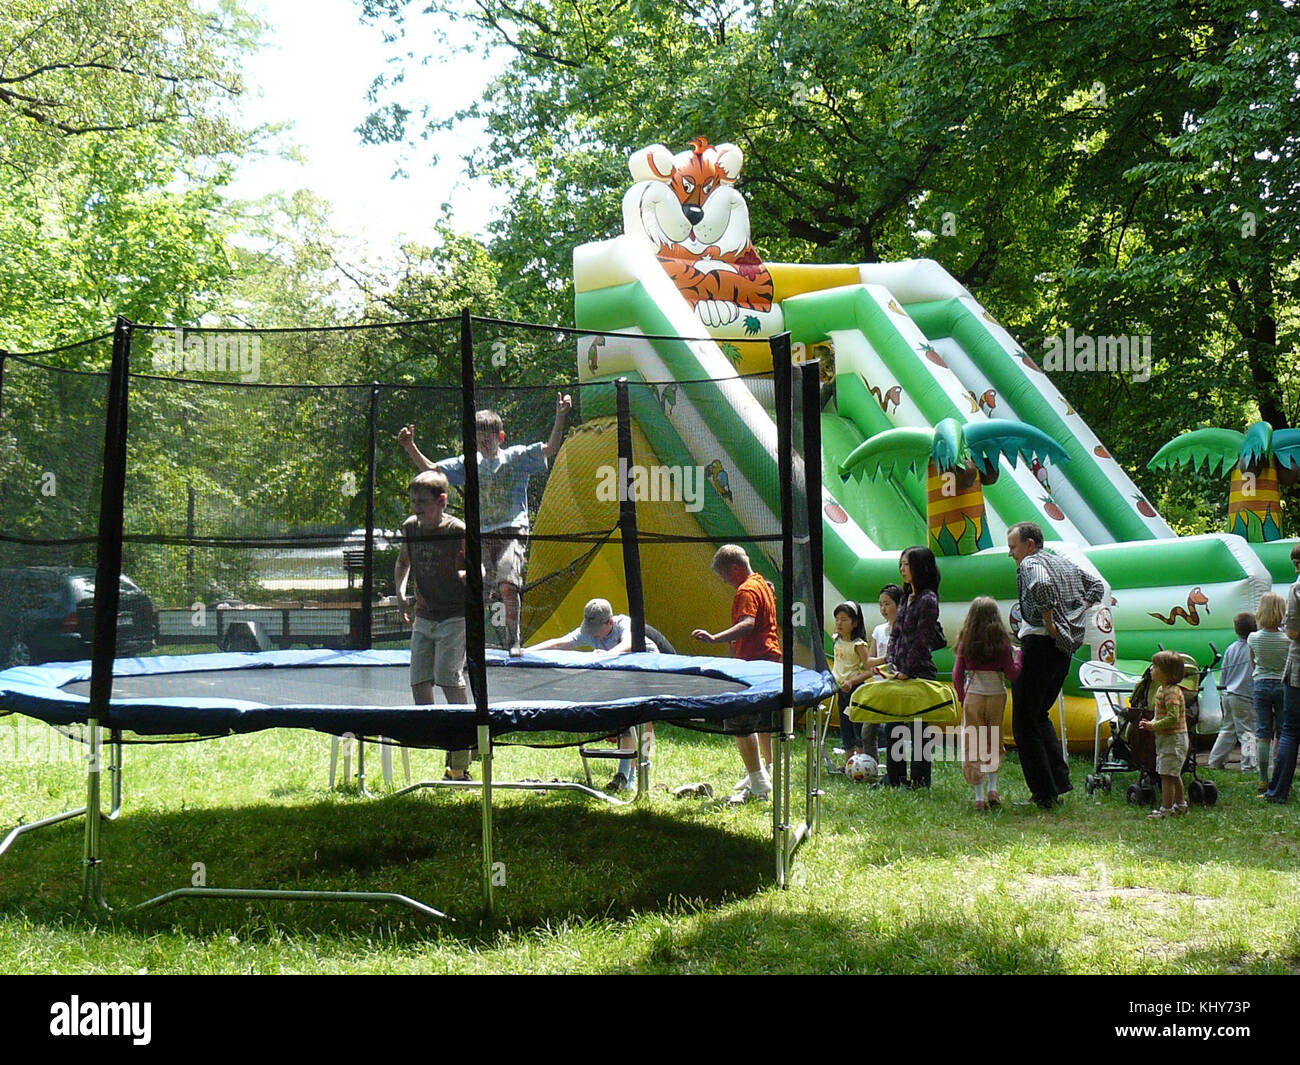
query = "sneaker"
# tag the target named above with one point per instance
(979, 805)
(1180, 808)
(448, 774)
(749, 792)
(618, 783)
(1161, 814)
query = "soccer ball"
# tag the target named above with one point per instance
(863, 769)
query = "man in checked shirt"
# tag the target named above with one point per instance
(1054, 599)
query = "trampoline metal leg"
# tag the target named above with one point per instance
(781, 794)
(32, 826)
(92, 892)
(115, 775)
(294, 895)
(485, 749)
(642, 763)
(813, 770)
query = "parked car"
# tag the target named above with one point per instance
(47, 613)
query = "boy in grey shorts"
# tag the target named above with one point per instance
(433, 556)
(503, 499)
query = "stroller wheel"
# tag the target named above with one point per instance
(1146, 795)
(1134, 795)
(1195, 791)
(1090, 782)
(1211, 793)
(1105, 783)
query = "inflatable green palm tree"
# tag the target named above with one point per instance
(961, 459)
(1260, 461)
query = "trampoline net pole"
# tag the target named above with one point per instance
(783, 380)
(108, 578)
(627, 523)
(475, 638)
(811, 449)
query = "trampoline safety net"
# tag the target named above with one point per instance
(264, 479)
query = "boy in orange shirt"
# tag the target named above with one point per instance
(753, 636)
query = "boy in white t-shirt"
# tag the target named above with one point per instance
(503, 499)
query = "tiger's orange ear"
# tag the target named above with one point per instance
(651, 164)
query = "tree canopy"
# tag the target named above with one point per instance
(117, 134)
(1119, 167)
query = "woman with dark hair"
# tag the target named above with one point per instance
(915, 636)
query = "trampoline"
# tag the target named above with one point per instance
(201, 535)
(367, 693)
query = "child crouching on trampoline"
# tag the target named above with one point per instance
(1170, 727)
(503, 500)
(433, 556)
(984, 662)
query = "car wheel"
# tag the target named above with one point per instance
(17, 653)
(240, 640)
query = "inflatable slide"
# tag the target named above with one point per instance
(909, 359)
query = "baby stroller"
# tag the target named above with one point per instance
(1131, 749)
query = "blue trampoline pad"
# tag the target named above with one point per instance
(368, 693)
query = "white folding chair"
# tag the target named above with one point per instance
(1109, 686)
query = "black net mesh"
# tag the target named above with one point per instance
(51, 461)
(266, 481)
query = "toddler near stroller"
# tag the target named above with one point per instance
(1133, 747)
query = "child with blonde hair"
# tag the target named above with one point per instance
(1268, 650)
(984, 662)
(1170, 727)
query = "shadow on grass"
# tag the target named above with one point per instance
(555, 859)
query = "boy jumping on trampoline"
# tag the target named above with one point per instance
(433, 556)
(753, 636)
(503, 500)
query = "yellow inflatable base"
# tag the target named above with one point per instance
(1080, 724)
(681, 592)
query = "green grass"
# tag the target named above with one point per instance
(894, 882)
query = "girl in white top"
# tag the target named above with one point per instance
(849, 668)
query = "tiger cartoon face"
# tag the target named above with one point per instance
(687, 207)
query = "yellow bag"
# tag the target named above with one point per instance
(905, 700)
